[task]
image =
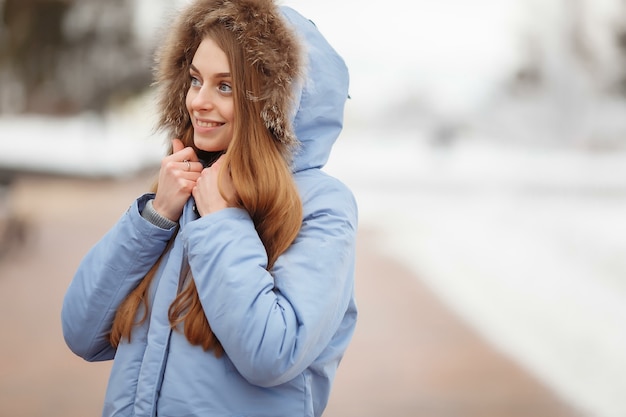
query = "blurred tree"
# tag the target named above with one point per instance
(575, 44)
(67, 56)
(620, 40)
(570, 86)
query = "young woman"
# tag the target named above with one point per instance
(229, 291)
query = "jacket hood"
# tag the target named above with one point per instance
(305, 85)
(322, 97)
(270, 48)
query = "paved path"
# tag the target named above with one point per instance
(410, 355)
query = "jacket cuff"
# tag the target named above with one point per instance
(150, 214)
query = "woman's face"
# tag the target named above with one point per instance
(210, 98)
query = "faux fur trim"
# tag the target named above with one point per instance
(270, 45)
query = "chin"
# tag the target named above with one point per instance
(209, 146)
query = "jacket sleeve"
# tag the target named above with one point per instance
(273, 326)
(105, 276)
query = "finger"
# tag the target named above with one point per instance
(184, 153)
(219, 161)
(188, 165)
(188, 175)
(177, 145)
(171, 168)
(207, 172)
(185, 165)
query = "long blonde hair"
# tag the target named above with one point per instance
(257, 157)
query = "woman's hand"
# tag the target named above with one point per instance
(207, 192)
(177, 178)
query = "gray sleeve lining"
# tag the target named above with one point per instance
(150, 214)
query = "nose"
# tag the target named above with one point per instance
(202, 99)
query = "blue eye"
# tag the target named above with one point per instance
(225, 88)
(195, 82)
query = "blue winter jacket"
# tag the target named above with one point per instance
(284, 333)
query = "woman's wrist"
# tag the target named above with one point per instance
(153, 216)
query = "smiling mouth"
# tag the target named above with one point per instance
(201, 123)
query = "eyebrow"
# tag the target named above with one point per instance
(218, 75)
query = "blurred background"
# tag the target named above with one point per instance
(485, 141)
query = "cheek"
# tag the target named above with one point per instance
(229, 112)
(188, 100)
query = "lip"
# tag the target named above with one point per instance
(207, 125)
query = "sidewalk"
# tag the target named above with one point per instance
(410, 356)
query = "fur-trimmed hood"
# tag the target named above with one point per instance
(305, 85)
(270, 47)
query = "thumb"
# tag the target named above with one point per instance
(177, 145)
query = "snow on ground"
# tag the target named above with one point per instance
(526, 245)
(121, 143)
